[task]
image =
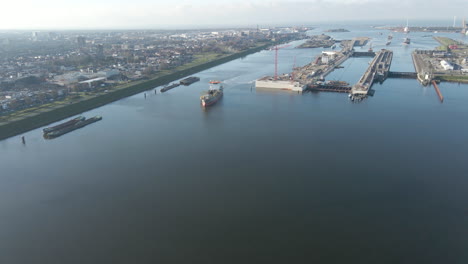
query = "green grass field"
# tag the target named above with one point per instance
(445, 42)
(462, 79)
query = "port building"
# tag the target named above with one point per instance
(270, 83)
(447, 66)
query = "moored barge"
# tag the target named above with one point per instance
(80, 124)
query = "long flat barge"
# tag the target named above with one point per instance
(63, 125)
(80, 124)
(189, 80)
(169, 87)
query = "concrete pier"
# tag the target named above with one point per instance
(422, 67)
(318, 69)
(378, 70)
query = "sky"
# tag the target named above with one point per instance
(159, 14)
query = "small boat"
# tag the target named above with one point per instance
(215, 82)
(407, 41)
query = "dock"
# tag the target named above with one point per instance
(311, 76)
(377, 71)
(423, 66)
(301, 77)
(324, 64)
(442, 64)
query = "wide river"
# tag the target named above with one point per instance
(260, 177)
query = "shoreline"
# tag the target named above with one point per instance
(26, 124)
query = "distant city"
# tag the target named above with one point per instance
(41, 67)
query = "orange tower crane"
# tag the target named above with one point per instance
(276, 48)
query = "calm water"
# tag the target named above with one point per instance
(260, 177)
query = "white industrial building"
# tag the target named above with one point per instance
(447, 66)
(270, 83)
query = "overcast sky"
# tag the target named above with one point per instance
(124, 14)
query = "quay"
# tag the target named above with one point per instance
(311, 76)
(324, 64)
(377, 71)
(423, 66)
(446, 63)
(302, 77)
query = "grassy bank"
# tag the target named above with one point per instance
(446, 42)
(44, 115)
(460, 79)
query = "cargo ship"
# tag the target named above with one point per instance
(212, 96)
(168, 87)
(189, 80)
(79, 124)
(63, 125)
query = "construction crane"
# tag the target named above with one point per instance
(292, 73)
(276, 48)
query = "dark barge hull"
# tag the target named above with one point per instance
(63, 125)
(169, 87)
(189, 80)
(68, 129)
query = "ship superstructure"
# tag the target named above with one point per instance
(214, 93)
